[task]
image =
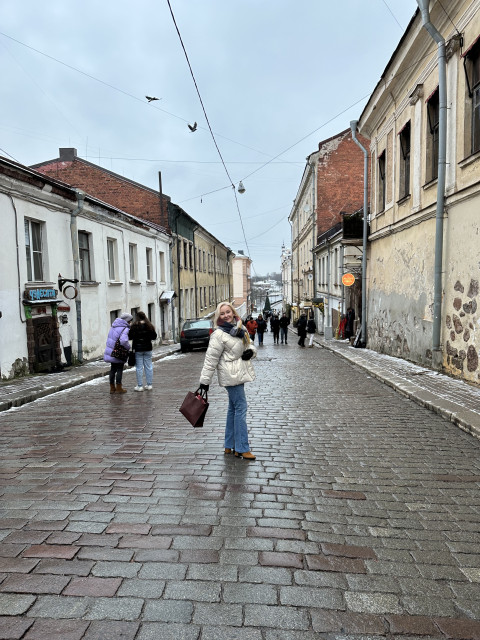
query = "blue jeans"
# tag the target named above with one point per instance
(260, 337)
(284, 332)
(143, 360)
(236, 433)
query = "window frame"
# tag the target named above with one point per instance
(433, 122)
(34, 256)
(133, 261)
(382, 180)
(149, 263)
(84, 255)
(405, 147)
(112, 260)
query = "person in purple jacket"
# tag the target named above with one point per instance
(119, 329)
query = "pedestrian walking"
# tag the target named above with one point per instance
(118, 331)
(142, 332)
(275, 327)
(284, 322)
(350, 318)
(229, 353)
(66, 338)
(261, 328)
(302, 330)
(251, 328)
(311, 328)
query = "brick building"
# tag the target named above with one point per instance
(201, 265)
(332, 185)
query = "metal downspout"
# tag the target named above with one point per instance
(353, 126)
(437, 358)
(76, 268)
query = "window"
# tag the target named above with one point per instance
(204, 263)
(472, 60)
(433, 113)
(404, 139)
(84, 251)
(148, 260)
(381, 181)
(185, 254)
(151, 312)
(114, 315)
(134, 311)
(132, 255)
(33, 248)
(161, 257)
(112, 258)
(190, 255)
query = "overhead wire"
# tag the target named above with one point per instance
(208, 121)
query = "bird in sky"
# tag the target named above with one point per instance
(193, 128)
(152, 98)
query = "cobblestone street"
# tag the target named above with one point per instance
(359, 518)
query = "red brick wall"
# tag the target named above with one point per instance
(339, 179)
(112, 189)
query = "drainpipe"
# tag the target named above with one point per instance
(76, 268)
(437, 358)
(353, 126)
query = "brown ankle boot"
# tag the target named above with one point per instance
(112, 388)
(120, 389)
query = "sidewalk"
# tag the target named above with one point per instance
(453, 399)
(15, 393)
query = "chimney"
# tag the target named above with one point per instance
(68, 155)
(240, 252)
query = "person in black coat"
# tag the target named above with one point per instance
(275, 327)
(302, 330)
(142, 332)
(284, 322)
(261, 328)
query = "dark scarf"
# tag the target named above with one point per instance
(231, 329)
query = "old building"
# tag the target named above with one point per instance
(242, 284)
(423, 263)
(332, 184)
(286, 272)
(201, 265)
(64, 251)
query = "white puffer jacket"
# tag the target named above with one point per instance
(224, 354)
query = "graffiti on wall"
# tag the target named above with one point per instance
(462, 352)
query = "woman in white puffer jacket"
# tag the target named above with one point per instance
(229, 353)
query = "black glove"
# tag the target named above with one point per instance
(247, 354)
(204, 387)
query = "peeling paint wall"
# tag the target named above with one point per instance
(400, 293)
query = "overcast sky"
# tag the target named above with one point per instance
(276, 77)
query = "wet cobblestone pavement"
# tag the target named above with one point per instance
(360, 517)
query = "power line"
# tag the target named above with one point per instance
(126, 93)
(394, 16)
(207, 120)
(448, 16)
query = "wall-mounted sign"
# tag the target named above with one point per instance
(63, 307)
(36, 295)
(348, 279)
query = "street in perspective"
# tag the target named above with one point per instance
(359, 517)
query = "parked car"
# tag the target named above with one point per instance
(195, 334)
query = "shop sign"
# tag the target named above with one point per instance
(63, 307)
(35, 295)
(348, 279)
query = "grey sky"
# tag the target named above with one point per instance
(270, 72)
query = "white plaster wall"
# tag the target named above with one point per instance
(96, 300)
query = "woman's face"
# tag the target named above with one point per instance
(226, 314)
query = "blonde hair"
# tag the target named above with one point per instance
(236, 317)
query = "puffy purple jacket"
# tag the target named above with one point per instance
(119, 329)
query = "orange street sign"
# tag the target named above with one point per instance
(348, 279)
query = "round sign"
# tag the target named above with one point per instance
(348, 279)
(70, 292)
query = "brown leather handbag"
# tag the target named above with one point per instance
(194, 407)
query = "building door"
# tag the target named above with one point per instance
(45, 343)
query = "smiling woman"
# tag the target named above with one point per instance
(229, 354)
